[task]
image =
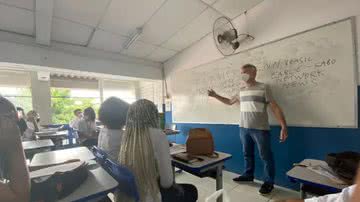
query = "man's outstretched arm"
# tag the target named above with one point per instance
(222, 99)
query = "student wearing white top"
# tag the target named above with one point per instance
(14, 175)
(112, 114)
(344, 196)
(87, 128)
(356, 195)
(75, 122)
(32, 121)
(145, 151)
(348, 194)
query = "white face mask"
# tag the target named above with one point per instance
(244, 77)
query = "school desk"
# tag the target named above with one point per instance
(305, 176)
(98, 184)
(37, 145)
(52, 135)
(208, 167)
(171, 132)
(61, 156)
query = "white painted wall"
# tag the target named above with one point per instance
(268, 21)
(41, 98)
(23, 50)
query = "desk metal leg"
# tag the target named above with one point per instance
(219, 181)
(302, 193)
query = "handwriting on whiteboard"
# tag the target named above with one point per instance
(284, 73)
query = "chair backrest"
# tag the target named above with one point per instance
(216, 195)
(124, 177)
(100, 155)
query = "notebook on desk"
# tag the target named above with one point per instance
(186, 158)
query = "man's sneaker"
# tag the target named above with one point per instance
(243, 179)
(266, 189)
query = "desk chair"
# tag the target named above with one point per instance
(125, 178)
(71, 140)
(100, 155)
(216, 195)
(61, 126)
(170, 126)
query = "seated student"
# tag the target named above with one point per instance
(32, 123)
(78, 115)
(145, 151)
(348, 194)
(87, 128)
(21, 120)
(112, 114)
(14, 176)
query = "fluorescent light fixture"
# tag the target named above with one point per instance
(133, 38)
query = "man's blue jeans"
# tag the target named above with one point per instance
(250, 137)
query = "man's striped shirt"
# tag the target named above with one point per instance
(253, 106)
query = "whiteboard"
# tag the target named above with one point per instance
(312, 75)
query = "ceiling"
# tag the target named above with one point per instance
(169, 26)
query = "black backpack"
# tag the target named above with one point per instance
(57, 186)
(344, 164)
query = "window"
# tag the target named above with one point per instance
(20, 97)
(64, 101)
(15, 86)
(70, 93)
(124, 90)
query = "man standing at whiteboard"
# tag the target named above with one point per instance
(254, 97)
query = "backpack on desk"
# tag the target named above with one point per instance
(200, 142)
(57, 186)
(344, 164)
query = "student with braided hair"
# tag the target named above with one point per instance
(145, 151)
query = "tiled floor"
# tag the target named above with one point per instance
(237, 192)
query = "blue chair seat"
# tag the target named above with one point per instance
(100, 155)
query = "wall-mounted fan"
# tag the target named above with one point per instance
(226, 37)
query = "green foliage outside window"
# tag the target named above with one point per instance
(63, 105)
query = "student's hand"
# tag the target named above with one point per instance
(283, 134)
(211, 93)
